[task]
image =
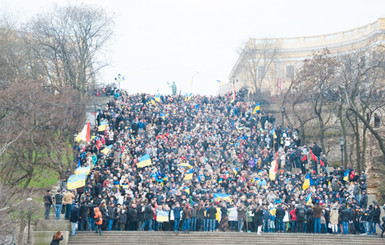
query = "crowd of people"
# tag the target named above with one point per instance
(210, 168)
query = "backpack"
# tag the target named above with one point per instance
(301, 214)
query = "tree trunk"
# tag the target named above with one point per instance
(22, 228)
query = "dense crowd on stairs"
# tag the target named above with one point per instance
(198, 163)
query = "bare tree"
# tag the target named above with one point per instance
(39, 123)
(260, 56)
(17, 209)
(315, 80)
(67, 42)
(361, 88)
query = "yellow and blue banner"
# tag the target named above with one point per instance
(189, 174)
(346, 175)
(81, 170)
(222, 196)
(76, 181)
(185, 165)
(256, 109)
(162, 216)
(144, 161)
(188, 97)
(106, 150)
(308, 182)
(308, 199)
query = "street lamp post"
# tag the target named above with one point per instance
(283, 116)
(342, 143)
(29, 215)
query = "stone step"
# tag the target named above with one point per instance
(111, 237)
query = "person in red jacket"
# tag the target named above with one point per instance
(98, 221)
(293, 220)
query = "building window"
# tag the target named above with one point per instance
(261, 72)
(290, 71)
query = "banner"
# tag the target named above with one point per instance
(233, 215)
(76, 181)
(162, 216)
(144, 161)
(81, 170)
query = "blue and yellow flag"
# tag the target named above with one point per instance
(102, 127)
(306, 183)
(235, 171)
(106, 150)
(189, 174)
(76, 181)
(222, 196)
(308, 199)
(346, 175)
(256, 109)
(153, 101)
(144, 161)
(185, 165)
(81, 170)
(162, 216)
(157, 98)
(188, 96)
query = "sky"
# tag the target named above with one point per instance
(197, 42)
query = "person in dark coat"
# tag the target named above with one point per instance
(83, 216)
(148, 215)
(74, 219)
(122, 219)
(280, 213)
(345, 216)
(301, 216)
(211, 212)
(258, 219)
(376, 212)
(132, 218)
(364, 200)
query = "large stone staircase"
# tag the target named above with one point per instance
(167, 238)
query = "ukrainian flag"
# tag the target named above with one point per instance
(153, 101)
(102, 127)
(220, 180)
(189, 174)
(157, 98)
(235, 170)
(308, 199)
(81, 170)
(306, 183)
(188, 97)
(256, 109)
(162, 216)
(76, 181)
(161, 115)
(144, 161)
(185, 165)
(186, 189)
(222, 196)
(106, 150)
(346, 175)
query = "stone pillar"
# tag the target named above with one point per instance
(374, 163)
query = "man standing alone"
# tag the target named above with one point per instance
(47, 204)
